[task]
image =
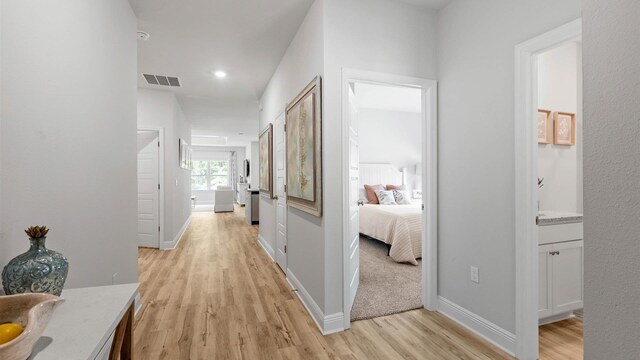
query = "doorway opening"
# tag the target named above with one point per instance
(150, 179)
(549, 245)
(389, 235)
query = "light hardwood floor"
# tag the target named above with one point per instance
(562, 340)
(219, 296)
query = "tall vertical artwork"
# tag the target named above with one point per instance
(265, 146)
(304, 150)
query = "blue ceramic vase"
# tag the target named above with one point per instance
(39, 270)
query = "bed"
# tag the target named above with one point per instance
(398, 226)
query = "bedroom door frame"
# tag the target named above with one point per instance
(161, 185)
(526, 191)
(429, 175)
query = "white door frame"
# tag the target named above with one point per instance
(160, 131)
(277, 198)
(526, 192)
(429, 176)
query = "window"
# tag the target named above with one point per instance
(207, 174)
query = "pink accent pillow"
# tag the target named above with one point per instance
(371, 193)
(396, 187)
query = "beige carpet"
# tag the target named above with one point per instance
(386, 287)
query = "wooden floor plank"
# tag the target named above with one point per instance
(219, 296)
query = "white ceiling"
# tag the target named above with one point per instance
(383, 97)
(192, 39)
(432, 4)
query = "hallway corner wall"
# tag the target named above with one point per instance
(611, 171)
(68, 134)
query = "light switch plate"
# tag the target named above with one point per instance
(475, 274)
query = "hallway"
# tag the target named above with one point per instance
(219, 296)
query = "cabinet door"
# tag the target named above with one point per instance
(545, 307)
(567, 265)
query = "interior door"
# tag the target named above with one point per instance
(148, 189)
(281, 196)
(354, 212)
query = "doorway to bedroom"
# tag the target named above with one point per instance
(390, 194)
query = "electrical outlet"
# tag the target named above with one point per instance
(114, 278)
(475, 275)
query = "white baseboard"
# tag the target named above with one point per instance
(267, 248)
(487, 330)
(333, 323)
(172, 245)
(326, 324)
(556, 318)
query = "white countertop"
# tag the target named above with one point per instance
(555, 218)
(82, 324)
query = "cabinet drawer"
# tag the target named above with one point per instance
(559, 233)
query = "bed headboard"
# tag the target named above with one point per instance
(385, 174)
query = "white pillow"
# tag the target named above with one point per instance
(402, 197)
(363, 196)
(385, 197)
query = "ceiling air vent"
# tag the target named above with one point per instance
(162, 80)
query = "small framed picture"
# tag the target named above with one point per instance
(545, 127)
(564, 129)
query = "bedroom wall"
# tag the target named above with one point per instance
(302, 62)
(376, 35)
(611, 173)
(68, 132)
(476, 47)
(391, 137)
(560, 166)
(158, 108)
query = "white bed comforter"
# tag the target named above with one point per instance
(397, 225)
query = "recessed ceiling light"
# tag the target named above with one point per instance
(143, 35)
(220, 74)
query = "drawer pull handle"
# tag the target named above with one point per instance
(554, 253)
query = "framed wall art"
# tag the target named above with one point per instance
(545, 127)
(304, 149)
(184, 154)
(564, 129)
(265, 146)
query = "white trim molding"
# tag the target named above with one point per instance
(266, 247)
(429, 175)
(329, 324)
(487, 330)
(526, 192)
(170, 245)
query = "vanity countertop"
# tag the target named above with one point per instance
(554, 218)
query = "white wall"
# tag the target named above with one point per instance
(157, 108)
(391, 137)
(476, 47)
(301, 63)
(611, 173)
(68, 129)
(559, 165)
(376, 35)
